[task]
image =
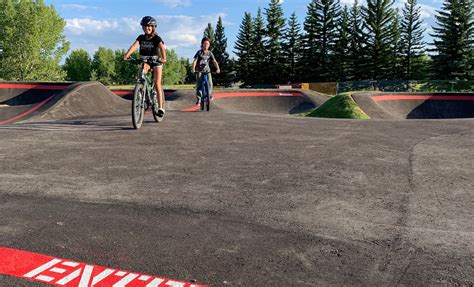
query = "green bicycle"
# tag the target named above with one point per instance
(144, 94)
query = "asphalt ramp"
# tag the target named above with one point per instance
(282, 102)
(416, 105)
(43, 101)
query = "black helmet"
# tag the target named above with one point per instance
(148, 21)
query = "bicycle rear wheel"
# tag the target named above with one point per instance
(138, 109)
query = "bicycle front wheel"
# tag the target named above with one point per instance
(138, 106)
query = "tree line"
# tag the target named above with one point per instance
(376, 41)
(334, 43)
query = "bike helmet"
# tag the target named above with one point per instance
(148, 21)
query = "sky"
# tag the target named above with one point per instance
(115, 24)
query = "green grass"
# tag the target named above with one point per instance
(340, 106)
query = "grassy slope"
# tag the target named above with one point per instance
(340, 106)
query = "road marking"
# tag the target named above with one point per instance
(61, 272)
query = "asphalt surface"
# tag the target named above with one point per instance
(229, 198)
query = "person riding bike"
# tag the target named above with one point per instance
(201, 66)
(151, 45)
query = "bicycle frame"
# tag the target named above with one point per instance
(205, 87)
(143, 94)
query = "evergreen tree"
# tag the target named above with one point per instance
(243, 49)
(210, 34)
(258, 53)
(341, 61)
(312, 28)
(396, 71)
(358, 57)
(327, 13)
(411, 37)
(222, 57)
(454, 40)
(78, 66)
(32, 41)
(103, 65)
(273, 48)
(292, 48)
(378, 19)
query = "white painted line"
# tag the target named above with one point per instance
(42, 268)
(70, 264)
(129, 278)
(44, 278)
(69, 278)
(120, 273)
(155, 282)
(101, 276)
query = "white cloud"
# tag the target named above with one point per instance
(427, 11)
(78, 7)
(181, 33)
(175, 3)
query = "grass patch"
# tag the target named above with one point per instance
(341, 106)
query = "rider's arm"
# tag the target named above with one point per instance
(214, 61)
(162, 52)
(218, 70)
(131, 50)
(193, 69)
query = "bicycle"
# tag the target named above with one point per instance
(144, 94)
(205, 92)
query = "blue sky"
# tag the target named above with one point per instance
(115, 23)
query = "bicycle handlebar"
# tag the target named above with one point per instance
(145, 59)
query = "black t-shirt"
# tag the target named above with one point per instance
(149, 47)
(203, 59)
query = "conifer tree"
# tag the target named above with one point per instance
(274, 33)
(222, 57)
(258, 49)
(311, 27)
(210, 34)
(243, 49)
(341, 62)
(358, 57)
(395, 63)
(411, 37)
(453, 41)
(327, 13)
(378, 19)
(292, 48)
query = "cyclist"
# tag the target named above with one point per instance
(201, 65)
(151, 45)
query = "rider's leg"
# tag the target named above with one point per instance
(209, 82)
(158, 71)
(198, 87)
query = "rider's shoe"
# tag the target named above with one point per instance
(161, 113)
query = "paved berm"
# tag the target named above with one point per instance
(230, 198)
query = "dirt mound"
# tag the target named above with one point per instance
(81, 100)
(416, 105)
